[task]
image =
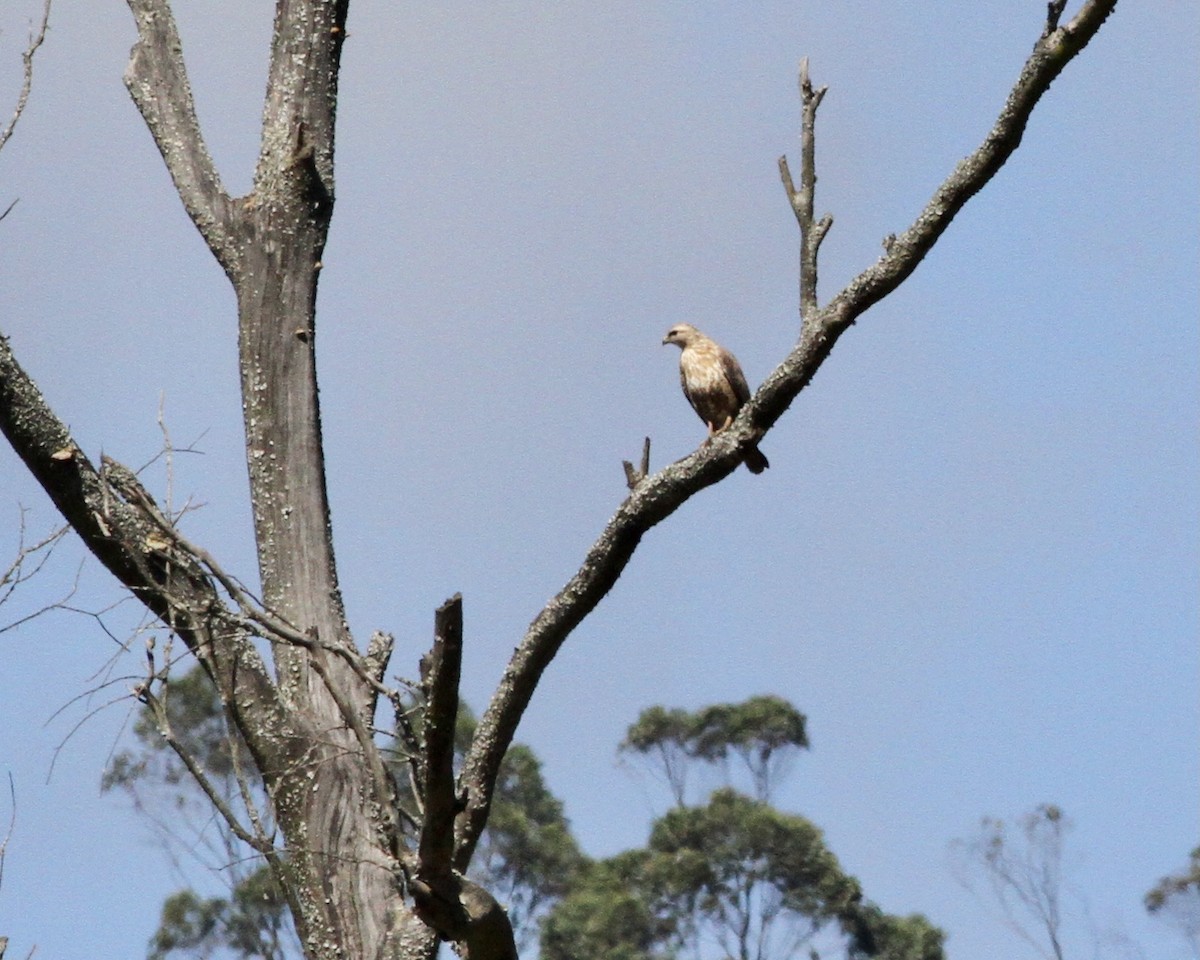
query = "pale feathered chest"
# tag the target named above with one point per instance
(713, 382)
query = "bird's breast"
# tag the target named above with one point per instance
(701, 372)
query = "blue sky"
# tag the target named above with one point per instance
(973, 562)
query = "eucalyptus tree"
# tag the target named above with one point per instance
(730, 876)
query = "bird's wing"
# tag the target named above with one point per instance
(733, 373)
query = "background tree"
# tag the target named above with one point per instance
(610, 912)
(731, 876)
(761, 732)
(665, 738)
(250, 919)
(250, 923)
(156, 567)
(1176, 898)
(1024, 871)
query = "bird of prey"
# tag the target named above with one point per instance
(713, 382)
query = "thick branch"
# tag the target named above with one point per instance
(300, 109)
(169, 582)
(287, 221)
(660, 495)
(457, 908)
(157, 80)
(1052, 52)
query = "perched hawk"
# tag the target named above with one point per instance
(713, 382)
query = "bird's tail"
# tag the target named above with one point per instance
(755, 461)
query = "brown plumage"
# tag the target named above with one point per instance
(713, 382)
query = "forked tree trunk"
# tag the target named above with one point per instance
(339, 873)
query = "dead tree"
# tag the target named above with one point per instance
(366, 877)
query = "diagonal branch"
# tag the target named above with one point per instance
(157, 80)
(253, 840)
(170, 582)
(35, 41)
(659, 496)
(654, 500)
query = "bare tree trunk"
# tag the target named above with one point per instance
(339, 871)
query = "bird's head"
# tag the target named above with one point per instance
(682, 335)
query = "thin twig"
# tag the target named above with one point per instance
(12, 823)
(75, 728)
(35, 41)
(198, 774)
(235, 743)
(18, 571)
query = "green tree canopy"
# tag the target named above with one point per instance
(755, 880)
(611, 911)
(1176, 898)
(762, 732)
(732, 877)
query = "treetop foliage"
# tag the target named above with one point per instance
(732, 873)
(762, 732)
(1180, 885)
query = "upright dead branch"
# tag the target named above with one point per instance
(802, 200)
(460, 910)
(443, 667)
(158, 83)
(635, 475)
